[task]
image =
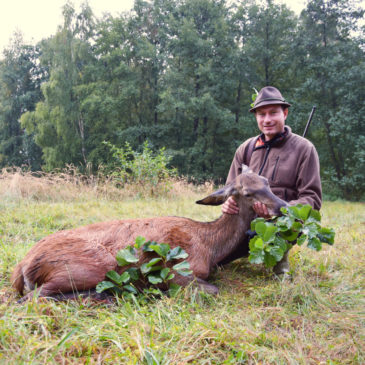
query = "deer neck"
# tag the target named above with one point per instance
(226, 233)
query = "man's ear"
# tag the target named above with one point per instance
(219, 196)
(286, 111)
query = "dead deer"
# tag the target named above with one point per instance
(72, 261)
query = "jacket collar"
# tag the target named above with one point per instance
(276, 141)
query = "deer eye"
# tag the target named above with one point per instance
(247, 194)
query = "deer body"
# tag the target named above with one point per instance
(78, 259)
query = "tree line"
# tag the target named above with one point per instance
(181, 74)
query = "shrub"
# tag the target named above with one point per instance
(139, 278)
(146, 169)
(299, 223)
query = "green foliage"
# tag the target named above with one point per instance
(180, 74)
(300, 223)
(58, 122)
(253, 98)
(144, 168)
(156, 271)
(20, 90)
(333, 80)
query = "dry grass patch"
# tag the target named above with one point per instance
(16, 184)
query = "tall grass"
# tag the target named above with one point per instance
(316, 317)
(16, 185)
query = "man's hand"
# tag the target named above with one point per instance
(230, 206)
(261, 210)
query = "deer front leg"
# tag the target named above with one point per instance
(201, 284)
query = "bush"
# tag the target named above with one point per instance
(138, 278)
(146, 169)
(298, 223)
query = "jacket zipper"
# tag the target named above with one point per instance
(265, 158)
(274, 171)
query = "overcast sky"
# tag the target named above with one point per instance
(38, 19)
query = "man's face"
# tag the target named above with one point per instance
(271, 120)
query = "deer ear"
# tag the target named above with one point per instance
(246, 169)
(219, 196)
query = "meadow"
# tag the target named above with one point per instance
(314, 317)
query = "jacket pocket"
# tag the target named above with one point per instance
(273, 175)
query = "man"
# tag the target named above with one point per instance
(290, 163)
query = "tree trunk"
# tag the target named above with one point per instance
(196, 119)
(266, 59)
(82, 136)
(336, 163)
(238, 101)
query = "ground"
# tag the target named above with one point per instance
(315, 317)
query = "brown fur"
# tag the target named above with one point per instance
(78, 259)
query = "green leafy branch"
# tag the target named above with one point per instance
(145, 167)
(139, 279)
(253, 97)
(300, 223)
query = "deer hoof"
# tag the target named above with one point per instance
(206, 287)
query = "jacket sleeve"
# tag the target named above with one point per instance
(308, 180)
(238, 160)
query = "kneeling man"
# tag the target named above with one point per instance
(289, 161)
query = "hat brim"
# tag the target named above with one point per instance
(269, 102)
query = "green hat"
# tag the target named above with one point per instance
(269, 95)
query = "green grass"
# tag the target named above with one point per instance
(317, 317)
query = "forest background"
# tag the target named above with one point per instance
(181, 74)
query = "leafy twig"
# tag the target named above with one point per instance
(298, 224)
